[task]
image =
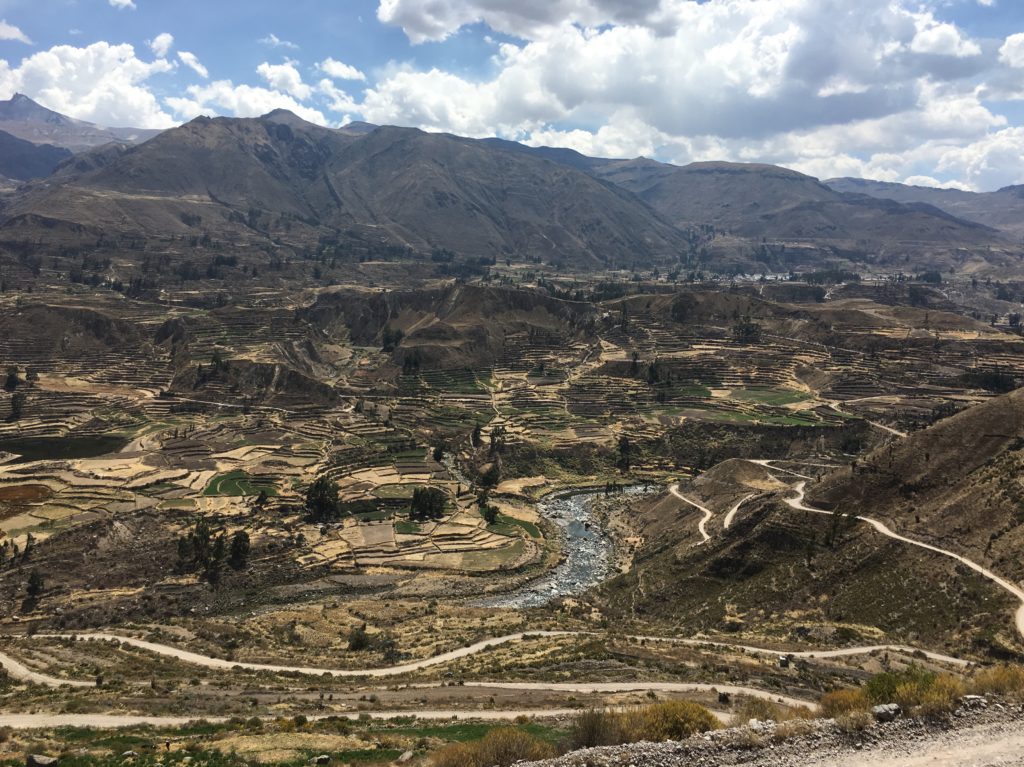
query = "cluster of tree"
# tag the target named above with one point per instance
(427, 503)
(322, 504)
(360, 640)
(993, 380)
(488, 511)
(207, 553)
(746, 331)
(9, 551)
(391, 338)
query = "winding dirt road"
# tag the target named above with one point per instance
(702, 526)
(798, 504)
(727, 523)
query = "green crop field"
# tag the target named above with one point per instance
(238, 483)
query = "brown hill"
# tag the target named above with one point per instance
(291, 182)
(452, 327)
(954, 484)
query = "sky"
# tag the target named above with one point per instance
(927, 92)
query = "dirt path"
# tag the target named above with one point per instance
(23, 673)
(111, 721)
(798, 503)
(732, 512)
(702, 526)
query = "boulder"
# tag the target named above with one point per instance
(322, 759)
(406, 757)
(887, 712)
(38, 760)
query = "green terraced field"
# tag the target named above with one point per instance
(237, 483)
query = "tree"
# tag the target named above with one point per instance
(322, 500)
(746, 331)
(490, 514)
(358, 639)
(12, 381)
(239, 551)
(36, 584)
(625, 452)
(427, 503)
(439, 452)
(390, 339)
(478, 438)
(17, 406)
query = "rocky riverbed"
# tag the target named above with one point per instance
(587, 551)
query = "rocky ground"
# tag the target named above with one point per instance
(981, 736)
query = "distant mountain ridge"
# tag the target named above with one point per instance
(278, 181)
(23, 118)
(299, 184)
(1002, 209)
(23, 161)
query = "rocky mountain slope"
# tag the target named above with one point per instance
(291, 182)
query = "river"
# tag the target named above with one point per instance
(587, 548)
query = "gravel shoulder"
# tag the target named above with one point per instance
(992, 736)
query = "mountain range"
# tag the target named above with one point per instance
(280, 182)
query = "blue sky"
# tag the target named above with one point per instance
(918, 91)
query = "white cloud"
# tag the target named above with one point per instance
(191, 61)
(161, 44)
(11, 32)
(223, 97)
(1012, 51)
(276, 42)
(942, 39)
(123, 4)
(338, 100)
(285, 78)
(339, 71)
(102, 83)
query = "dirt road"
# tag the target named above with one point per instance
(798, 503)
(702, 526)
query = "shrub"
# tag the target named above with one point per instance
(792, 728)
(759, 708)
(596, 728)
(834, 704)
(941, 697)
(499, 748)
(1002, 680)
(855, 721)
(882, 688)
(671, 720)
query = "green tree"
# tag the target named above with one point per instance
(36, 584)
(478, 438)
(625, 453)
(322, 500)
(240, 548)
(12, 381)
(17, 405)
(358, 639)
(490, 514)
(427, 503)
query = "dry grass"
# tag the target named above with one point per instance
(671, 720)
(1001, 680)
(839, 702)
(499, 748)
(855, 721)
(764, 710)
